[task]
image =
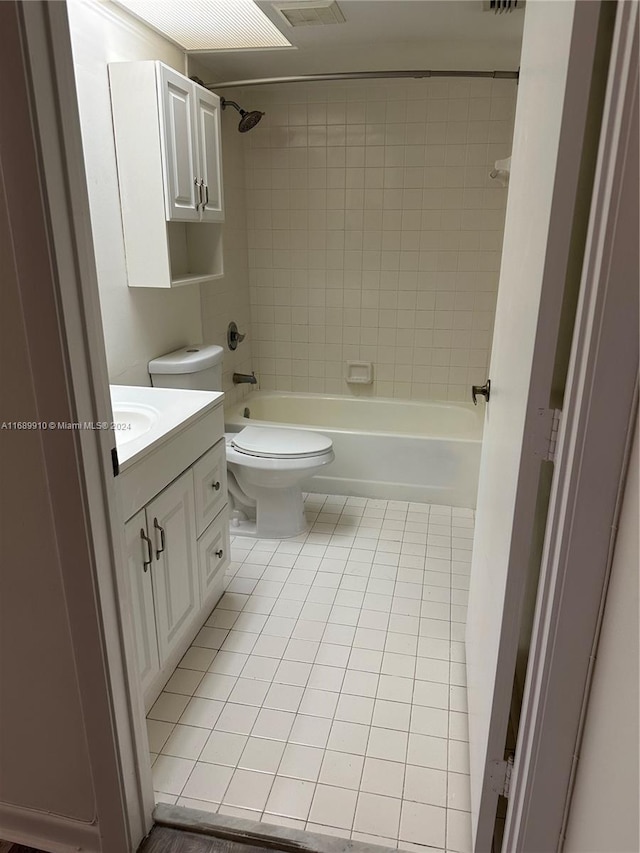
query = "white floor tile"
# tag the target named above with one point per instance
(310, 731)
(202, 712)
(341, 769)
(329, 684)
(248, 789)
(223, 748)
(238, 719)
(458, 831)
(388, 744)
(425, 785)
(423, 824)
(458, 792)
(185, 742)
(377, 815)
(383, 777)
(261, 754)
(273, 724)
(333, 807)
(348, 737)
(158, 732)
(170, 774)
(290, 797)
(168, 707)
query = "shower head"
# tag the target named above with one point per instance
(247, 119)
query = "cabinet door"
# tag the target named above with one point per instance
(207, 123)
(213, 559)
(210, 484)
(171, 525)
(179, 148)
(141, 591)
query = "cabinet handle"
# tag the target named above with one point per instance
(161, 529)
(206, 195)
(216, 485)
(220, 553)
(145, 538)
(199, 187)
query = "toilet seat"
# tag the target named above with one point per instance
(271, 443)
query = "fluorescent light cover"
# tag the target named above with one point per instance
(209, 24)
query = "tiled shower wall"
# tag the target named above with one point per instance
(375, 232)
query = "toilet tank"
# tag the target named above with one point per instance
(198, 367)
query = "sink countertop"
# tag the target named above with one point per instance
(158, 414)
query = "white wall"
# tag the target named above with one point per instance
(375, 232)
(139, 324)
(605, 813)
(228, 298)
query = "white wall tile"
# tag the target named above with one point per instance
(375, 193)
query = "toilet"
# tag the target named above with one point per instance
(265, 465)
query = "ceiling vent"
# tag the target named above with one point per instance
(310, 13)
(500, 6)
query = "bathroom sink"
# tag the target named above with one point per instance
(145, 418)
(133, 420)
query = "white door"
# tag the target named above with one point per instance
(171, 525)
(207, 124)
(182, 193)
(557, 59)
(139, 560)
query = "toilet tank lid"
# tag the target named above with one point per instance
(189, 359)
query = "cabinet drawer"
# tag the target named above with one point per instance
(210, 480)
(213, 559)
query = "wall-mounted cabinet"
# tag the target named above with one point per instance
(167, 138)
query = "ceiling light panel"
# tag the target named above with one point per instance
(209, 24)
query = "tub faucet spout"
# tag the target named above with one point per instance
(239, 378)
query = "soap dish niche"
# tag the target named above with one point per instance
(359, 373)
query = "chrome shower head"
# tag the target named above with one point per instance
(247, 119)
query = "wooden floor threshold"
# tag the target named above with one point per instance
(183, 830)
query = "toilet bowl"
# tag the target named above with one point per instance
(265, 469)
(265, 466)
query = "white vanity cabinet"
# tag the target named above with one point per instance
(177, 553)
(168, 151)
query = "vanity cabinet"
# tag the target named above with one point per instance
(168, 151)
(177, 553)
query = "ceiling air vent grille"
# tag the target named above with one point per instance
(500, 6)
(312, 13)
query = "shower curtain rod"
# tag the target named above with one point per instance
(360, 75)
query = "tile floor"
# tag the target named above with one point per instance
(327, 689)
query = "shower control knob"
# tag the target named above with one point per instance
(483, 390)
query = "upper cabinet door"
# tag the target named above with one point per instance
(207, 123)
(182, 191)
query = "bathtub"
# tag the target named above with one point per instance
(395, 449)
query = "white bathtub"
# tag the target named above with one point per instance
(396, 449)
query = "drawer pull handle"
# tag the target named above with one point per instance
(145, 538)
(220, 553)
(216, 485)
(161, 529)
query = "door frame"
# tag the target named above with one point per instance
(594, 443)
(50, 76)
(101, 627)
